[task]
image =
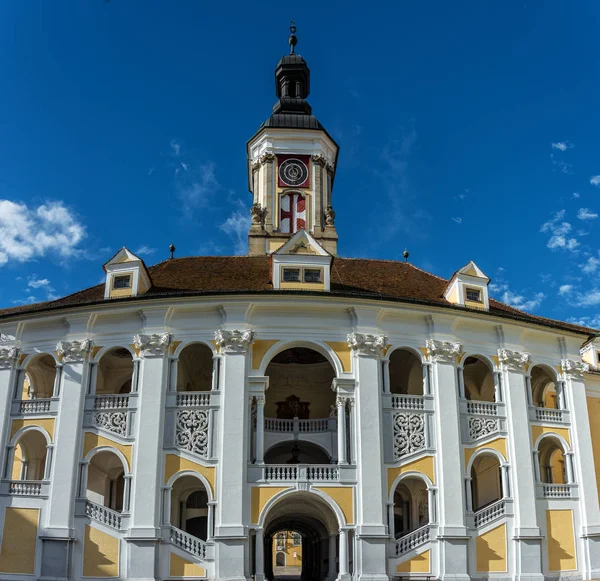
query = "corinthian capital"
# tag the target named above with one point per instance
(367, 345)
(267, 158)
(234, 341)
(155, 345)
(574, 369)
(73, 351)
(445, 351)
(8, 356)
(514, 360)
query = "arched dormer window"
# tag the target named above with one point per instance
(292, 213)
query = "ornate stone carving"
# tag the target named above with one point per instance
(409, 434)
(191, 431)
(444, 351)
(319, 159)
(330, 167)
(115, 422)
(154, 345)
(367, 344)
(480, 427)
(8, 355)
(73, 351)
(267, 158)
(329, 216)
(257, 213)
(514, 360)
(574, 369)
(256, 165)
(234, 341)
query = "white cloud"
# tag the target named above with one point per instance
(195, 187)
(565, 289)
(576, 195)
(562, 145)
(522, 303)
(175, 147)
(593, 321)
(590, 298)
(586, 214)
(458, 220)
(29, 233)
(37, 282)
(595, 181)
(145, 250)
(590, 266)
(559, 230)
(237, 226)
(561, 164)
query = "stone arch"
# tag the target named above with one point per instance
(478, 377)
(485, 472)
(105, 477)
(411, 474)
(118, 453)
(185, 344)
(552, 451)
(543, 380)
(115, 367)
(189, 498)
(306, 451)
(106, 348)
(194, 474)
(405, 366)
(29, 448)
(40, 376)
(482, 451)
(318, 346)
(410, 498)
(195, 367)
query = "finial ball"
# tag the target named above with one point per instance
(406, 255)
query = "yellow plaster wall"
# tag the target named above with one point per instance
(342, 350)
(593, 405)
(560, 536)
(537, 431)
(176, 464)
(275, 244)
(91, 441)
(491, 551)
(46, 423)
(302, 285)
(179, 567)
(100, 554)
(423, 465)
(289, 550)
(17, 463)
(259, 350)
(419, 564)
(343, 496)
(453, 296)
(259, 496)
(120, 292)
(499, 445)
(17, 554)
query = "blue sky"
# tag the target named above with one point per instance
(468, 130)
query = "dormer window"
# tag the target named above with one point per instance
(122, 281)
(473, 294)
(468, 287)
(313, 275)
(291, 275)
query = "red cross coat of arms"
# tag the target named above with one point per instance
(292, 214)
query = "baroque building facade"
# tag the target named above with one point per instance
(173, 421)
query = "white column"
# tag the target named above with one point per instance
(431, 500)
(331, 574)
(93, 378)
(260, 555)
(9, 378)
(210, 525)
(340, 402)
(469, 494)
(528, 390)
(57, 380)
(127, 493)
(260, 430)
(343, 566)
(561, 396)
(215, 373)
(536, 466)
(505, 481)
(386, 376)
(390, 517)
(49, 458)
(232, 490)
(425, 370)
(353, 434)
(497, 387)
(135, 377)
(174, 366)
(461, 382)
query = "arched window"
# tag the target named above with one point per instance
(189, 506)
(115, 372)
(29, 462)
(551, 457)
(478, 380)
(411, 509)
(292, 213)
(486, 483)
(406, 374)
(106, 480)
(40, 374)
(195, 368)
(543, 388)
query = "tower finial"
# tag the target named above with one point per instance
(292, 39)
(406, 255)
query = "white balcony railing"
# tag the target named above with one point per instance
(412, 540)
(35, 406)
(111, 402)
(408, 402)
(193, 399)
(556, 491)
(549, 415)
(25, 488)
(489, 513)
(103, 515)
(315, 426)
(482, 408)
(301, 473)
(188, 542)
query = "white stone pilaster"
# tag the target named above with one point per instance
(9, 375)
(260, 430)
(340, 403)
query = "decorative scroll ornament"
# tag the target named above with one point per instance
(444, 351)
(256, 211)
(152, 345)
(409, 434)
(329, 216)
(267, 158)
(8, 355)
(115, 422)
(574, 369)
(514, 360)
(319, 159)
(234, 341)
(480, 427)
(191, 431)
(73, 351)
(367, 345)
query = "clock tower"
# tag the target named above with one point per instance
(291, 166)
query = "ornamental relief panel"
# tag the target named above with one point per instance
(409, 434)
(111, 421)
(191, 431)
(481, 427)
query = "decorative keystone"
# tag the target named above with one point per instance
(155, 345)
(73, 351)
(444, 351)
(234, 341)
(367, 345)
(514, 360)
(8, 356)
(574, 369)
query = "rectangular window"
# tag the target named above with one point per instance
(296, 539)
(291, 275)
(474, 295)
(312, 275)
(122, 281)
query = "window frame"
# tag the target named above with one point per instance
(117, 277)
(290, 269)
(302, 276)
(479, 292)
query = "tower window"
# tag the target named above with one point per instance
(291, 275)
(474, 295)
(312, 274)
(292, 216)
(122, 281)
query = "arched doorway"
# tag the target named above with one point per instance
(543, 388)
(406, 373)
(553, 463)
(310, 525)
(115, 372)
(29, 458)
(478, 380)
(195, 368)
(40, 376)
(411, 506)
(189, 507)
(106, 480)
(486, 481)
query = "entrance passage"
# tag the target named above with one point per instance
(301, 539)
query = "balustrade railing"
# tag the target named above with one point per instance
(412, 540)
(489, 513)
(301, 472)
(549, 415)
(111, 402)
(193, 399)
(188, 542)
(25, 488)
(556, 491)
(276, 425)
(103, 515)
(482, 408)
(318, 425)
(34, 406)
(408, 402)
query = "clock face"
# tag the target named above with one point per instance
(293, 172)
